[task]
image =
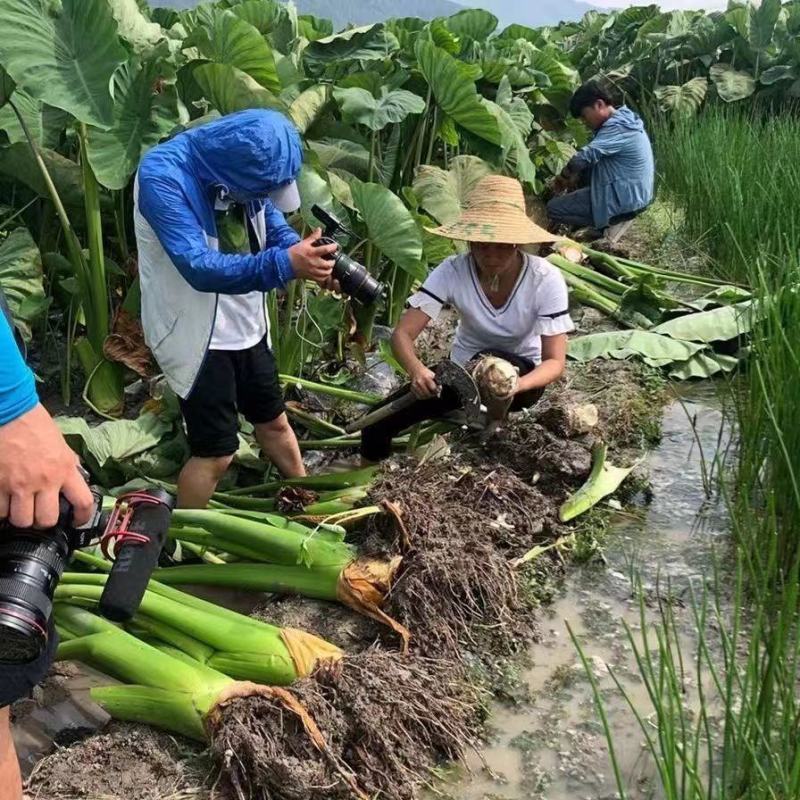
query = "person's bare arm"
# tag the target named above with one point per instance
(554, 357)
(411, 324)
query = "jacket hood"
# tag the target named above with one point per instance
(623, 117)
(244, 155)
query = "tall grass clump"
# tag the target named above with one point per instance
(722, 721)
(737, 735)
(737, 175)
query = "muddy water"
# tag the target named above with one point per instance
(550, 746)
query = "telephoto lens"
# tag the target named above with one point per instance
(354, 278)
(31, 564)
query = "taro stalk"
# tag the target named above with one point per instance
(215, 637)
(296, 560)
(168, 689)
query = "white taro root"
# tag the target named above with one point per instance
(496, 380)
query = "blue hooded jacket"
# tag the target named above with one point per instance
(622, 167)
(243, 157)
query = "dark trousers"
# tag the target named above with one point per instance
(574, 208)
(376, 440)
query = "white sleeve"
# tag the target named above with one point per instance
(436, 292)
(552, 305)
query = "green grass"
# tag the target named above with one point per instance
(736, 178)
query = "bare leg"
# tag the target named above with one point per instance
(279, 444)
(198, 480)
(10, 779)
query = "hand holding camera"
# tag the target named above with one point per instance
(311, 259)
(36, 466)
(32, 563)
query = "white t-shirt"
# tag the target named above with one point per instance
(240, 323)
(538, 306)
(241, 320)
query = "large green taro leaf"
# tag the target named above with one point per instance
(376, 113)
(655, 349)
(21, 279)
(231, 40)
(453, 85)
(63, 56)
(390, 225)
(444, 193)
(732, 84)
(145, 110)
(229, 89)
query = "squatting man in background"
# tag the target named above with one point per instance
(615, 171)
(203, 304)
(36, 466)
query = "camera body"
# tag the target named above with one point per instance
(32, 563)
(354, 278)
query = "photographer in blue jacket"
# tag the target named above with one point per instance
(203, 304)
(616, 170)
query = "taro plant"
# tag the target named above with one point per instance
(71, 59)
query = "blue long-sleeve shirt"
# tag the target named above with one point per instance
(622, 167)
(17, 385)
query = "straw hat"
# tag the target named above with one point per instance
(495, 212)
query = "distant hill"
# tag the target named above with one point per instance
(534, 13)
(355, 12)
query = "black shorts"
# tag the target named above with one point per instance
(231, 382)
(17, 680)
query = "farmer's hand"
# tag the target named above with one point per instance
(423, 384)
(36, 465)
(308, 261)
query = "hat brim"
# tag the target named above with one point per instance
(513, 230)
(286, 198)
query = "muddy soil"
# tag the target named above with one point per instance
(125, 761)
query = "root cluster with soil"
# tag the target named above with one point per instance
(457, 526)
(386, 721)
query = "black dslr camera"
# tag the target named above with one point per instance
(354, 278)
(32, 562)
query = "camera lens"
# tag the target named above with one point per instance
(355, 280)
(31, 565)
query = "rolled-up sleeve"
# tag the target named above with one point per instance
(436, 292)
(552, 306)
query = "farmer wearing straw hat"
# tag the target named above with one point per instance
(511, 305)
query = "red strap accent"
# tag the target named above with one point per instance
(118, 532)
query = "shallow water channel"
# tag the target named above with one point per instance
(550, 745)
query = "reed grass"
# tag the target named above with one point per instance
(737, 174)
(737, 177)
